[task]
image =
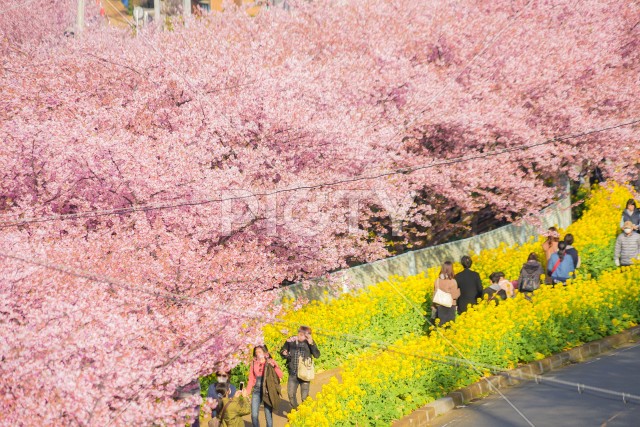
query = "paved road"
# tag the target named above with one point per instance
(554, 405)
(116, 13)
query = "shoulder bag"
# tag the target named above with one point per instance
(441, 297)
(306, 369)
(217, 420)
(549, 280)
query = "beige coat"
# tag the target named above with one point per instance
(449, 286)
(549, 247)
(507, 286)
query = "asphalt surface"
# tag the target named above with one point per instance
(559, 405)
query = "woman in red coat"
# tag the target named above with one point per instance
(256, 375)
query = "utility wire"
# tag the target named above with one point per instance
(149, 207)
(457, 350)
(401, 171)
(169, 296)
(457, 361)
(355, 339)
(164, 366)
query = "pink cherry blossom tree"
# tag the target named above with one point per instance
(26, 23)
(157, 190)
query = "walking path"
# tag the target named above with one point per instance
(279, 414)
(546, 404)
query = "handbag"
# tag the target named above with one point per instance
(306, 369)
(441, 297)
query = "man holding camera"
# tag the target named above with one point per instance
(296, 349)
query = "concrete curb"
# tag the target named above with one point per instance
(421, 417)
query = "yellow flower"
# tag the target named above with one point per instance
(516, 330)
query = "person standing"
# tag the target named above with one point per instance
(222, 377)
(573, 252)
(550, 246)
(257, 375)
(530, 273)
(446, 282)
(496, 289)
(632, 215)
(627, 245)
(503, 283)
(470, 285)
(297, 347)
(231, 410)
(560, 266)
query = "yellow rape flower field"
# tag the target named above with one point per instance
(390, 366)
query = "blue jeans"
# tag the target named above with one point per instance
(256, 400)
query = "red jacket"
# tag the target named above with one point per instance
(257, 370)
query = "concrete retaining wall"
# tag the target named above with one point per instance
(411, 263)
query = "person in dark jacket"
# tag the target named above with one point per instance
(257, 371)
(495, 292)
(530, 273)
(296, 346)
(568, 239)
(631, 214)
(470, 285)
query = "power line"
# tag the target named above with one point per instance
(457, 350)
(164, 366)
(126, 18)
(523, 376)
(355, 339)
(172, 297)
(456, 361)
(169, 296)
(148, 207)
(165, 295)
(401, 171)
